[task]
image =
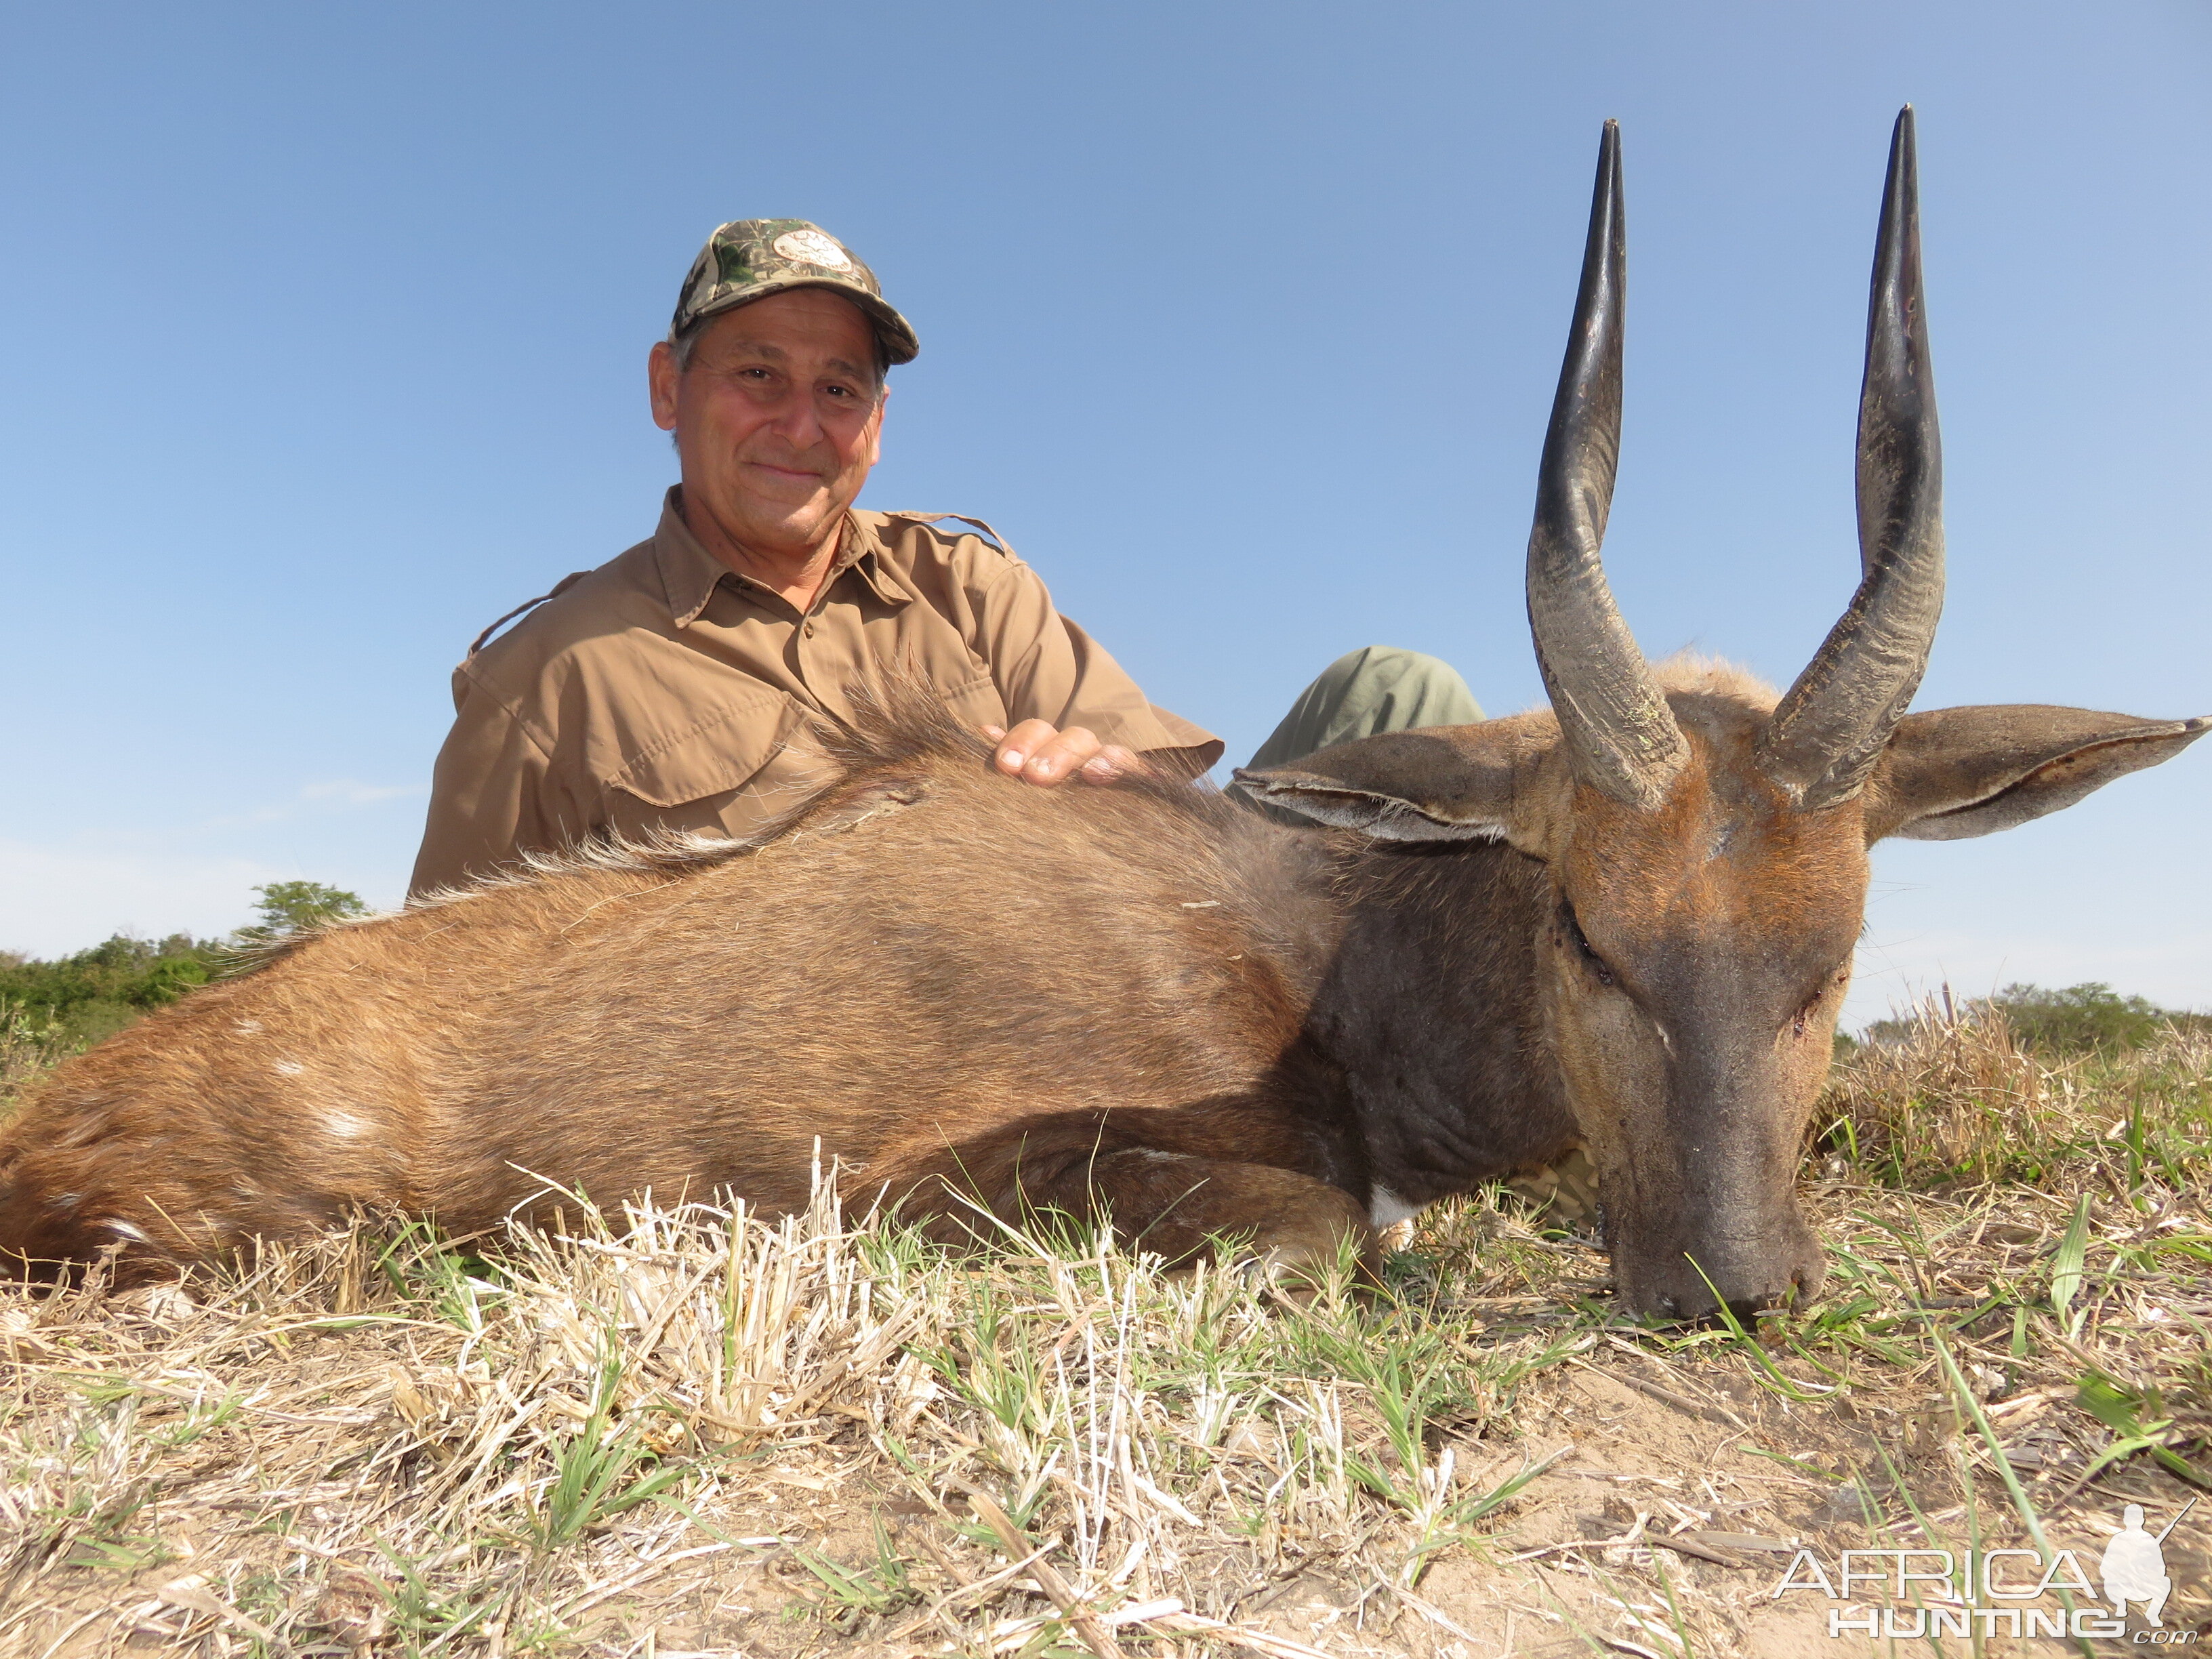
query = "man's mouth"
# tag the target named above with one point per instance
(792, 472)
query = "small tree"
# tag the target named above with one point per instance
(297, 907)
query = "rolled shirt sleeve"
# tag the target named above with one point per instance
(1047, 668)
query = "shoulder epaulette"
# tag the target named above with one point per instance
(989, 534)
(559, 588)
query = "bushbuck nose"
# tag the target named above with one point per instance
(1748, 1274)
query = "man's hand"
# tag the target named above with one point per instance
(1037, 752)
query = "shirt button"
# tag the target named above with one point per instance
(808, 631)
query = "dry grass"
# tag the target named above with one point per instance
(685, 1430)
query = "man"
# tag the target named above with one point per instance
(679, 686)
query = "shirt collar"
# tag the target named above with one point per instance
(690, 574)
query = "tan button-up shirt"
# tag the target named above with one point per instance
(663, 691)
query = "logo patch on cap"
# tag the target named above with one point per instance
(811, 247)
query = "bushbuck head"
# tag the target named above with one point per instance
(1707, 844)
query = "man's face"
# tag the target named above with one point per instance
(777, 419)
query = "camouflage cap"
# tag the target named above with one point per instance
(749, 260)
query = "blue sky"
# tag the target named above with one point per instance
(324, 333)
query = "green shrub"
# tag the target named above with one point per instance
(293, 906)
(97, 993)
(2076, 1020)
(75, 1001)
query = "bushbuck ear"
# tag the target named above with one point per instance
(1953, 773)
(1444, 783)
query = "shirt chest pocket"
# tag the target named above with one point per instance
(725, 774)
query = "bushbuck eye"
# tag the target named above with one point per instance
(1804, 1016)
(1594, 962)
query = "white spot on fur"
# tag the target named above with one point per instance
(287, 1068)
(248, 1027)
(345, 1126)
(1200, 904)
(1386, 1209)
(121, 1228)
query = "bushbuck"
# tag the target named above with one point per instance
(1625, 920)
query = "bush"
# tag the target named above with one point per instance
(2076, 1020)
(75, 1001)
(1953, 1097)
(298, 907)
(97, 993)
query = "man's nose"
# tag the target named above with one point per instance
(797, 421)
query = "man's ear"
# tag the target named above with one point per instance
(1446, 783)
(661, 375)
(1952, 773)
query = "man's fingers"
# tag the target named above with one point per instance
(1036, 753)
(1055, 762)
(1111, 763)
(1017, 746)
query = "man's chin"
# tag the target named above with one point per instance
(773, 524)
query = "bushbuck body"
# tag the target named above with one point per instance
(1626, 919)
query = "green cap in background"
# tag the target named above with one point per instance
(749, 260)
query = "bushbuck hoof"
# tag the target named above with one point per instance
(1291, 1224)
(1172, 1205)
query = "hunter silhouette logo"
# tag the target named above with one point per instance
(2134, 1565)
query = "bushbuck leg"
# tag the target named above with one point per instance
(1167, 1202)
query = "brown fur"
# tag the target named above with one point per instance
(1142, 1001)
(889, 971)
(1690, 959)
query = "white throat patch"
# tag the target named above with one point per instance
(1386, 1209)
